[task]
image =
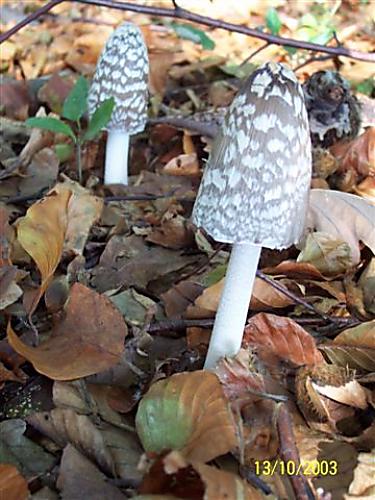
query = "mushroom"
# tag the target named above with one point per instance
(121, 73)
(254, 190)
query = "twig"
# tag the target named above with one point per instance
(259, 49)
(311, 60)
(292, 296)
(179, 13)
(289, 453)
(180, 324)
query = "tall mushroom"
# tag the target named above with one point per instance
(254, 190)
(121, 73)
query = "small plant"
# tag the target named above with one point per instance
(74, 107)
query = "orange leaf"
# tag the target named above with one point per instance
(277, 338)
(41, 233)
(358, 154)
(13, 486)
(89, 340)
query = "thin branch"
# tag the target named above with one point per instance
(179, 13)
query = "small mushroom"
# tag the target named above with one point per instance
(254, 190)
(121, 73)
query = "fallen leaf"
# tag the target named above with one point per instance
(15, 100)
(88, 340)
(184, 164)
(174, 475)
(366, 189)
(80, 478)
(362, 335)
(358, 154)
(330, 256)
(363, 484)
(84, 210)
(343, 216)
(41, 233)
(174, 232)
(13, 486)
(16, 449)
(186, 412)
(353, 357)
(280, 339)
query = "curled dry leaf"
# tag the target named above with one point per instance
(354, 347)
(174, 475)
(328, 393)
(363, 484)
(264, 297)
(173, 232)
(366, 189)
(63, 426)
(330, 256)
(280, 339)
(358, 154)
(13, 486)
(186, 412)
(41, 233)
(343, 216)
(88, 340)
(361, 335)
(183, 164)
(84, 210)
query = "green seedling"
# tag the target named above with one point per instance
(74, 108)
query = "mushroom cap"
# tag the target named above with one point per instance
(256, 182)
(122, 73)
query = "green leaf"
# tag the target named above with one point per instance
(51, 124)
(99, 119)
(366, 87)
(291, 50)
(322, 38)
(238, 70)
(193, 34)
(273, 21)
(63, 151)
(75, 105)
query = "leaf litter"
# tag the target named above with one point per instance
(121, 289)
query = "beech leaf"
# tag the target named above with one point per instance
(343, 216)
(186, 412)
(90, 338)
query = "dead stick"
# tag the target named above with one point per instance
(179, 13)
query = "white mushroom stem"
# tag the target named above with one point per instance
(116, 157)
(234, 303)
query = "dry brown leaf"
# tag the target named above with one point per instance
(179, 297)
(366, 189)
(84, 210)
(363, 484)
(186, 412)
(184, 164)
(329, 255)
(343, 216)
(13, 486)
(15, 100)
(64, 426)
(79, 478)
(295, 270)
(358, 154)
(89, 340)
(174, 232)
(41, 233)
(281, 339)
(174, 475)
(356, 358)
(362, 335)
